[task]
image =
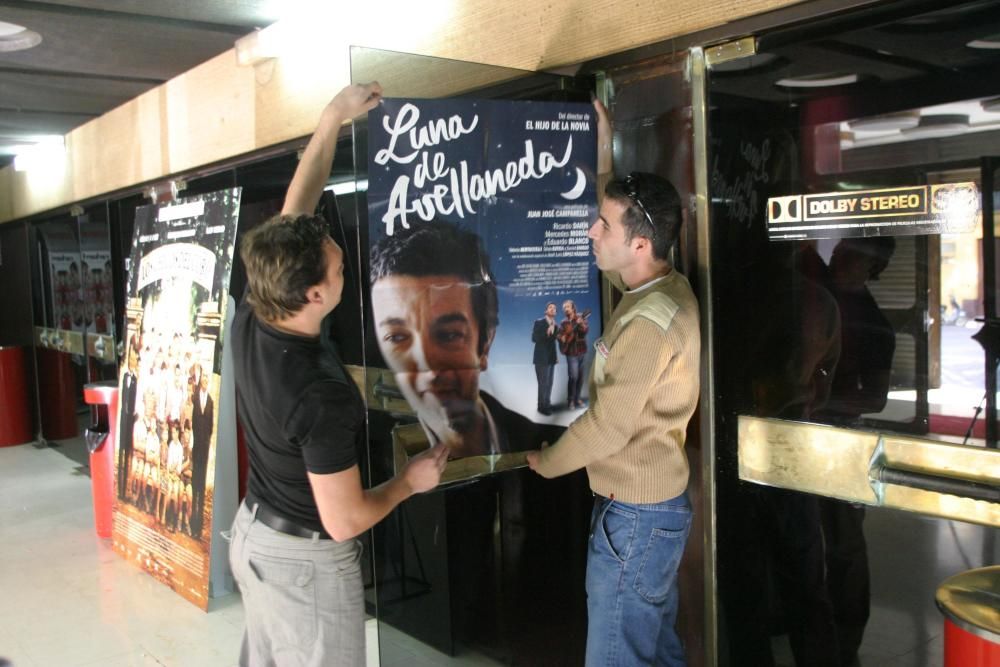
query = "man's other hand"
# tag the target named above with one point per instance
(603, 138)
(534, 457)
(423, 472)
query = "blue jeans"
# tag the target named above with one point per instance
(632, 592)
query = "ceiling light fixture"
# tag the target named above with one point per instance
(818, 80)
(886, 122)
(49, 152)
(988, 42)
(936, 126)
(15, 37)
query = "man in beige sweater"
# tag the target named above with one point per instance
(643, 388)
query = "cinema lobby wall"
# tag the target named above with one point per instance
(220, 110)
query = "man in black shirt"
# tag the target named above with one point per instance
(294, 552)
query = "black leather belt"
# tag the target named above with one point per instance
(272, 519)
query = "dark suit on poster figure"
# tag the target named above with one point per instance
(127, 421)
(543, 335)
(202, 423)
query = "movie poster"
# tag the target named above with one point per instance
(64, 277)
(95, 278)
(178, 288)
(485, 297)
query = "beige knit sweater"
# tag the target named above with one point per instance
(643, 390)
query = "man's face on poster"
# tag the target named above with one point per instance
(550, 310)
(429, 337)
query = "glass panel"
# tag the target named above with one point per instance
(461, 570)
(59, 310)
(857, 317)
(97, 293)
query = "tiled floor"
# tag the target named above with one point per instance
(66, 599)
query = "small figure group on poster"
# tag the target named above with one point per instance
(167, 417)
(571, 334)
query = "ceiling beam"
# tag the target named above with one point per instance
(68, 10)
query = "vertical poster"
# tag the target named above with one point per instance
(64, 277)
(178, 289)
(95, 277)
(485, 297)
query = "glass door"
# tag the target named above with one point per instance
(852, 230)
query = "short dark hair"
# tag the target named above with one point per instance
(659, 199)
(442, 248)
(283, 258)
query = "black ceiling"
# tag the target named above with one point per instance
(903, 59)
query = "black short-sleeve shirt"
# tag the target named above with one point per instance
(300, 412)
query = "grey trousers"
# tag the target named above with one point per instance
(303, 598)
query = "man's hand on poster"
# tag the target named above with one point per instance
(423, 472)
(355, 100)
(317, 159)
(603, 138)
(533, 457)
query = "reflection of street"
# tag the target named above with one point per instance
(962, 374)
(962, 358)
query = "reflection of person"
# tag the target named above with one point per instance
(860, 386)
(792, 350)
(303, 418)
(202, 423)
(573, 343)
(127, 421)
(543, 335)
(435, 311)
(644, 388)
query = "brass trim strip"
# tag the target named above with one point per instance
(734, 50)
(100, 346)
(699, 111)
(62, 340)
(849, 465)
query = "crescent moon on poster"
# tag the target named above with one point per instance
(576, 190)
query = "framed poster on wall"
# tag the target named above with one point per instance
(482, 281)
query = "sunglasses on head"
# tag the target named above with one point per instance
(631, 184)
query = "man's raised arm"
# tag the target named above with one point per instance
(314, 168)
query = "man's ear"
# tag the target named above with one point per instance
(641, 243)
(485, 356)
(314, 295)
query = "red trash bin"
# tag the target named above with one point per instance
(101, 443)
(15, 417)
(971, 618)
(57, 391)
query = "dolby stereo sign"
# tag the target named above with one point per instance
(923, 209)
